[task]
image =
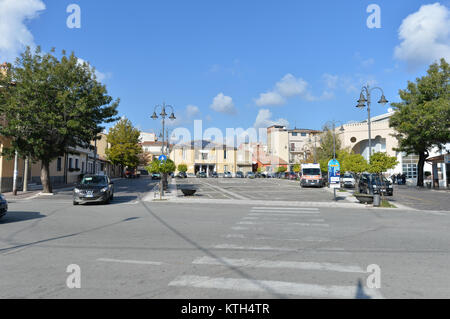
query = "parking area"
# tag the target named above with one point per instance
(255, 189)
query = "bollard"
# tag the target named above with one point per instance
(376, 200)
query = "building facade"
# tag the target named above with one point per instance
(205, 156)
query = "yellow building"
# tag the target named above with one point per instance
(205, 156)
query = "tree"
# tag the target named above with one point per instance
(162, 167)
(381, 162)
(125, 147)
(422, 119)
(281, 169)
(296, 168)
(356, 163)
(182, 168)
(55, 104)
(145, 158)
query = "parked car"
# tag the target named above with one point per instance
(181, 175)
(227, 175)
(348, 180)
(375, 184)
(93, 188)
(292, 176)
(201, 174)
(214, 175)
(260, 175)
(144, 172)
(156, 176)
(130, 173)
(190, 175)
(239, 175)
(3, 206)
(250, 175)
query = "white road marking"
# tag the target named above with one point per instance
(139, 262)
(253, 263)
(229, 246)
(285, 223)
(275, 218)
(298, 212)
(307, 239)
(280, 214)
(285, 208)
(268, 286)
(234, 236)
(239, 228)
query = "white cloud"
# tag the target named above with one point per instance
(291, 86)
(287, 87)
(192, 110)
(223, 104)
(264, 119)
(14, 34)
(331, 80)
(185, 117)
(425, 36)
(270, 98)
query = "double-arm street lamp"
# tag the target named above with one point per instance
(365, 97)
(163, 115)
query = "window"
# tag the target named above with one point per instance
(225, 154)
(82, 167)
(294, 134)
(58, 164)
(410, 170)
(204, 156)
(70, 163)
(304, 134)
(76, 163)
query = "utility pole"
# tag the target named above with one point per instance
(16, 172)
(25, 176)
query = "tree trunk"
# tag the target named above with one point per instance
(45, 178)
(422, 157)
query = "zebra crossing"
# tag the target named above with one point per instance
(267, 260)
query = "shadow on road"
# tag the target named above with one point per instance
(15, 217)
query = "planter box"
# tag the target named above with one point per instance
(364, 198)
(188, 191)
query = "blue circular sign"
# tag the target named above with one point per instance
(162, 158)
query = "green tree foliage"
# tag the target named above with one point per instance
(281, 169)
(381, 162)
(182, 168)
(125, 147)
(356, 163)
(54, 105)
(422, 119)
(296, 168)
(164, 167)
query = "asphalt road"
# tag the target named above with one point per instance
(137, 249)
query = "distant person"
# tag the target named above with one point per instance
(393, 178)
(399, 178)
(404, 179)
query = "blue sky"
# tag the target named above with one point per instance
(239, 63)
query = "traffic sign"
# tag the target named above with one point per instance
(334, 174)
(162, 158)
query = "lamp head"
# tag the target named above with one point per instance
(154, 116)
(383, 100)
(362, 101)
(172, 116)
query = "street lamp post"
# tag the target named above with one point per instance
(163, 115)
(367, 99)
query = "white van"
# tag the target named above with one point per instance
(311, 175)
